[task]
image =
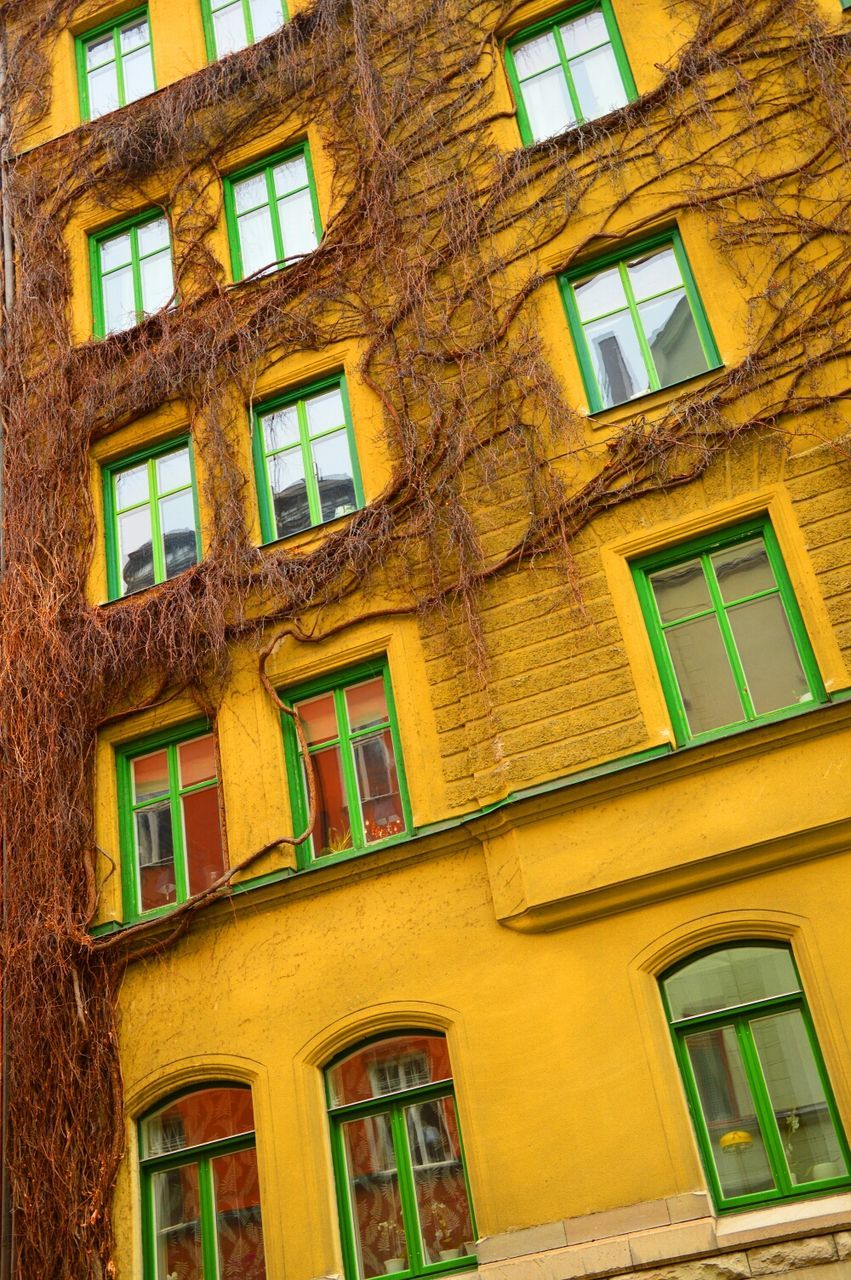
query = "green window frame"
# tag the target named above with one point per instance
(174, 808)
(255, 18)
(636, 356)
(162, 496)
(576, 91)
(297, 440)
(742, 683)
(134, 74)
(133, 257)
(278, 196)
(426, 1211)
(753, 1119)
(208, 1228)
(350, 746)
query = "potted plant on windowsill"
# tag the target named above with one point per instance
(391, 1247)
(447, 1246)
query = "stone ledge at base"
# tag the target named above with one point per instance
(679, 1239)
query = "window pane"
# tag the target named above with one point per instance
(134, 36)
(681, 590)
(117, 251)
(333, 832)
(366, 704)
(266, 16)
(256, 241)
(319, 718)
(378, 1229)
(155, 856)
(617, 359)
(204, 1115)
(600, 295)
(548, 104)
(197, 760)
(289, 492)
(399, 1062)
(738, 1148)
(743, 570)
(250, 193)
(378, 786)
(135, 550)
(324, 412)
(202, 833)
(154, 235)
(672, 334)
(290, 176)
(297, 229)
(138, 74)
(157, 281)
(177, 1224)
(131, 486)
(797, 1098)
(173, 471)
(119, 302)
(441, 1191)
(177, 519)
(280, 428)
(100, 52)
(229, 27)
(654, 272)
(333, 466)
(584, 33)
(773, 670)
(598, 83)
(728, 978)
(150, 776)
(103, 90)
(536, 55)
(239, 1228)
(704, 675)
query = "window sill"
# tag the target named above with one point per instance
(306, 539)
(617, 415)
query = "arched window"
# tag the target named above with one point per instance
(200, 1189)
(758, 1090)
(402, 1190)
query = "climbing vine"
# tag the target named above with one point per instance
(432, 266)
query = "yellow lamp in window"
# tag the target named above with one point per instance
(735, 1140)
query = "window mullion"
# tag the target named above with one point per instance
(157, 547)
(249, 21)
(311, 483)
(347, 761)
(728, 637)
(568, 74)
(180, 870)
(407, 1191)
(119, 67)
(277, 230)
(646, 353)
(136, 267)
(764, 1110)
(207, 1208)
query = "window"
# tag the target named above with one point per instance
(151, 518)
(131, 273)
(305, 460)
(200, 1187)
(568, 70)
(637, 322)
(726, 631)
(230, 25)
(758, 1091)
(115, 64)
(353, 744)
(402, 1190)
(272, 213)
(171, 827)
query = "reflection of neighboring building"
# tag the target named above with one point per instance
(292, 509)
(181, 552)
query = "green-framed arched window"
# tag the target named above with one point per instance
(758, 1091)
(402, 1189)
(200, 1187)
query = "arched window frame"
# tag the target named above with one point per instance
(201, 1154)
(395, 1103)
(740, 1016)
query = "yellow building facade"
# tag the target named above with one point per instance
(590, 572)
